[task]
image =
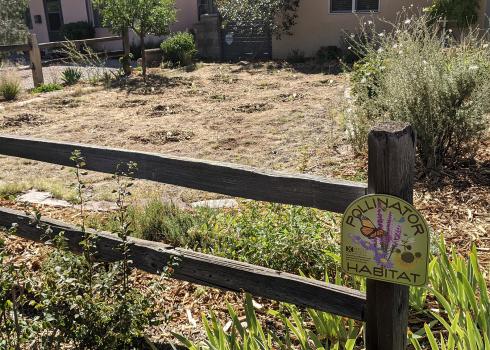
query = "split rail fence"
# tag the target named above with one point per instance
(34, 48)
(384, 307)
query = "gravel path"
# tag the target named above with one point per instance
(52, 73)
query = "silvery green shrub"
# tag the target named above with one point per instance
(415, 73)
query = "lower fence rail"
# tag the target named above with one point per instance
(203, 269)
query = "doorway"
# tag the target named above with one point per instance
(54, 19)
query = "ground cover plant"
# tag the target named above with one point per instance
(10, 87)
(48, 87)
(407, 74)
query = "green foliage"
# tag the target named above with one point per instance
(71, 76)
(143, 16)
(328, 53)
(10, 87)
(49, 87)
(179, 49)
(77, 31)
(281, 237)
(455, 282)
(276, 16)
(408, 75)
(286, 238)
(294, 334)
(13, 29)
(14, 282)
(158, 221)
(460, 288)
(463, 12)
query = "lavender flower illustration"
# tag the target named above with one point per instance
(382, 247)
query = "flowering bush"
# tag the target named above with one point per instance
(409, 74)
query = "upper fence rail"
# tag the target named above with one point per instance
(224, 178)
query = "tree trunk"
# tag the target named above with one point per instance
(143, 57)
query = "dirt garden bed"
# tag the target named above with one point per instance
(264, 116)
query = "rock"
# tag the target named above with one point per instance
(38, 197)
(216, 203)
(100, 206)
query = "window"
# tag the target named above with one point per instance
(367, 5)
(358, 5)
(341, 5)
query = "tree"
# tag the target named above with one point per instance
(279, 16)
(13, 29)
(463, 12)
(144, 17)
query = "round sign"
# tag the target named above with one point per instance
(229, 38)
(385, 238)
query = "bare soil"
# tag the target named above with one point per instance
(264, 115)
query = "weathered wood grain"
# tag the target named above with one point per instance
(224, 178)
(204, 269)
(391, 171)
(54, 44)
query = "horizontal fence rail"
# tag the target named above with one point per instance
(54, 44)
(224, 178)
(202, 269)
(15, 48)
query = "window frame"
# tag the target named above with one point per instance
(353, 8)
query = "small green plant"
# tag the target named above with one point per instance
(71, 76)
(10, 87)
(179, 49)
(49, 87)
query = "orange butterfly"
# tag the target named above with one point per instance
(369, 230)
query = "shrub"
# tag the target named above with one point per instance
(10, 87)
(49, 87)
(407, 75)
(463, 12)
(71, 76)
(159, 221)
(281, 237)
(77, 31)
(179, 49)
(296, 56)
(328, 53)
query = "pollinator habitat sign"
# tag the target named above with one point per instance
(385, 238)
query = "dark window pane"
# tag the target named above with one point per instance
(54, 20)
(367, 5)
(341, 5)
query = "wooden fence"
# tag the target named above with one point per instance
(34, 49)
(384, 307)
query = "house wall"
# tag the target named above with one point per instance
(317, 27)
(40, 29)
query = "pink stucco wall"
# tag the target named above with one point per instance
(76, 10)
(37, 8)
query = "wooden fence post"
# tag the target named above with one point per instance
(391, 171)
(36, 64)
